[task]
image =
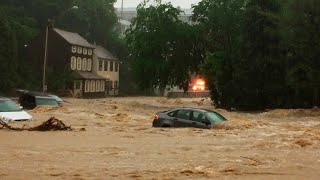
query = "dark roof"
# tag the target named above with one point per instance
(73, 38)
(38, 93)
(86, 75)
(101, 52)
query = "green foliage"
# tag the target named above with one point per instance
(302, 22)
(220, 23)
(8, 54)
(59, 80)
(261, 54)
(161, 47)
(261, 68)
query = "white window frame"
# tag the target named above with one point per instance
(73, 63)
(79, 61)
(89, 52)
(79, 50)
(73, 49)
(87, 86)
(85, 51)
(106, 63)
(93, 86)
(89, 64)
(84, 64)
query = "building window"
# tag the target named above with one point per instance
(79, 49)
(89, 52)
(87, 86)
(93, 86)
(111, 65)
(109, 85)
(106, 65)
(73, 63)
(79, 63)
(97, 86)
(116, 68)
(84, 64)
(89, 64)
(85, 51)
(102, 86)
(115, 84)
(73, 49)
(100, 65)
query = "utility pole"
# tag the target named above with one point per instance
(49, 24)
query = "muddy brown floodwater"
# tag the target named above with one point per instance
(114, 140)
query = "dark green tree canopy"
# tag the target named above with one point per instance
(161, 47)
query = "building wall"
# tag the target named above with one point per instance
(106, 72)
(59, 58)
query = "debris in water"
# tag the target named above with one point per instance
(51, 124)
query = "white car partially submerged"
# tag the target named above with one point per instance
(10, 111)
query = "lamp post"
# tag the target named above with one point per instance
(44, 86)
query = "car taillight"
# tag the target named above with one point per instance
(156, 117)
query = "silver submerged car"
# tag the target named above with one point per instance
(188, 117)
(10, 111)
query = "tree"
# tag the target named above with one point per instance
(261, 68)
(219, 24)
(302, 25)
(161, 47)
(8, 54)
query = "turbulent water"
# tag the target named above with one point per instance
(114, 140)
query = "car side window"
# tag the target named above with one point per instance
(183, 114)
(198, 117)
(172, 114)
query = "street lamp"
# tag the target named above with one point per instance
(44, 86)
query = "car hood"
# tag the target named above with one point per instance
(14, 116)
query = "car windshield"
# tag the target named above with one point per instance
(56, 98)
(8, 106)
(46, 101)
(216, 117)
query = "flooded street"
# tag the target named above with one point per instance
(113, 139)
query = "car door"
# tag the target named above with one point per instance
(182, 118)
(199, 120)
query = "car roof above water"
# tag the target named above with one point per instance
(192, 108)
(4, 98)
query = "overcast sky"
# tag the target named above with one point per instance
(181, 3)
